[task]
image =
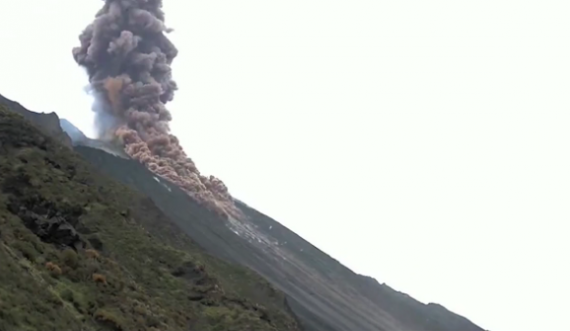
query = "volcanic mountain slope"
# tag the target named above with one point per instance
(323, 294)
(80, 251)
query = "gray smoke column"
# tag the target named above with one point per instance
(128, 58)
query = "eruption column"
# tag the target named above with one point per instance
(128, 59)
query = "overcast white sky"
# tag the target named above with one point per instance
(425, 143)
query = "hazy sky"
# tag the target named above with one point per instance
(425, 143)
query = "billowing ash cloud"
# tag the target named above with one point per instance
(128, 58)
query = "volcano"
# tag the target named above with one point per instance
(229, 274)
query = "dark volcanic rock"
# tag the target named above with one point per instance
(52, 224)
(54, 229)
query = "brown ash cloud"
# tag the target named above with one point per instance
(128, 58)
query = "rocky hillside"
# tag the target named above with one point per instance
(82, 252)
(48, 124)
(201, 285)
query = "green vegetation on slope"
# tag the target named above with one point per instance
(81, 252)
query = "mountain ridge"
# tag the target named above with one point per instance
(321, 292)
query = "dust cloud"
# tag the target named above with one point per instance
(128, 58)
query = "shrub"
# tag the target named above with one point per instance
(152, 321)
(91, 253)
(100, 279)
(69, 257)
(109, 319)
(67, 295)
(53, 268)
(27, 249)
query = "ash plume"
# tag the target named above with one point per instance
(128, 58)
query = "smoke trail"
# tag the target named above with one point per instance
(128, 56)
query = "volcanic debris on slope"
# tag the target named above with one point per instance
(128, 57)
